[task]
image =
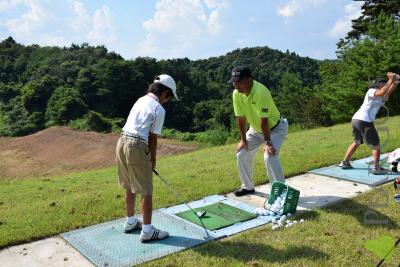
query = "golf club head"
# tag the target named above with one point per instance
(201, 213)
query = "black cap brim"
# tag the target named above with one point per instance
(234, 79)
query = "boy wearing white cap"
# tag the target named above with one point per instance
(136, 154)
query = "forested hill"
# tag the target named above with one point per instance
(92, 88)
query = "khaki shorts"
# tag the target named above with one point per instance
(134, 166)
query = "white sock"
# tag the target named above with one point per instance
(146, 228)
(131, 220)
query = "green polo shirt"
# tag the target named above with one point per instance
(258, 104)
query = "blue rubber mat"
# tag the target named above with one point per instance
(227, 231)
(361, 173)
(107, 245)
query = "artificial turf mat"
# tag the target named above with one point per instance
(218, 215)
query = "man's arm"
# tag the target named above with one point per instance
(241, 121)
(384, 91)
(153, 148)
(265, 129)
(391, 88)
(268, 147)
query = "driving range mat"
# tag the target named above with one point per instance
(217, 215)
(361, 172)
(106, 244)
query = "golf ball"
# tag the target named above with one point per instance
(289, 215)
(274, 220)
(302, 220)
(275, 227)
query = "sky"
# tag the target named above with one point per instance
(196, 29)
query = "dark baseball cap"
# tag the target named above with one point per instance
(380, 82)
(239, 73)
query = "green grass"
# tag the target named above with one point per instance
(34, 208)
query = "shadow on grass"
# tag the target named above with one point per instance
(367, 215)
(248, 252)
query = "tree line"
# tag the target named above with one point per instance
(90, 88)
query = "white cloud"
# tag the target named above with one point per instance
(81, 21)
(8, 4)
(27, 23)
(41, 25)
(216, 3)
(289, 9)
(103, 31)
(214, 24)
(294, 6)
(343, 25)
(179, 26)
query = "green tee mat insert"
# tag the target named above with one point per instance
(361, 172)
(218, 215)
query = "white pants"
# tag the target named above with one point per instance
(272, 163)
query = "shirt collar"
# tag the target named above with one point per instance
(154, 97)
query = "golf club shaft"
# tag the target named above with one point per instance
(179, 196)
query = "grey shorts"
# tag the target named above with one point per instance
(365, 132)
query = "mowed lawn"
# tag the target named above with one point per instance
(35, 208)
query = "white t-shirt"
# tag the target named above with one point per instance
(147, 115)
(370, 106)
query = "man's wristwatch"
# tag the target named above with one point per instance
(268, 143)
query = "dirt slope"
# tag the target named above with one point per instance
(59, 150)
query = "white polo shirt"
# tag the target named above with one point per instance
(369, 107)
(146, 116)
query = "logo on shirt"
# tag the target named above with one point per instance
(264, 110)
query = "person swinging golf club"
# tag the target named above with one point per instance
(136, 154)
(363, 122)
(253, 104)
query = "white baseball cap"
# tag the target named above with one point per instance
(167, 81)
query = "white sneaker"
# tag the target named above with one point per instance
(154, 234)
(345, 165)
(132, 227)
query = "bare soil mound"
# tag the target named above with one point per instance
(59, 150)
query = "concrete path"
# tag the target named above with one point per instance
(48, 252)
(315, 191)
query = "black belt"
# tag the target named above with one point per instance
(276, 124)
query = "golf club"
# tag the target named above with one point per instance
(179, 196)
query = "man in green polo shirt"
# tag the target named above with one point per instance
(253, 104)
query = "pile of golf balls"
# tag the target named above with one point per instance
(273, 209)
(284, 222)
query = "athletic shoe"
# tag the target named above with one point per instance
(154, 234)
(132, 227)
(345, 165)
(379, 170)
(243, 191)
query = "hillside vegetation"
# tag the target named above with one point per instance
(90, 88)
